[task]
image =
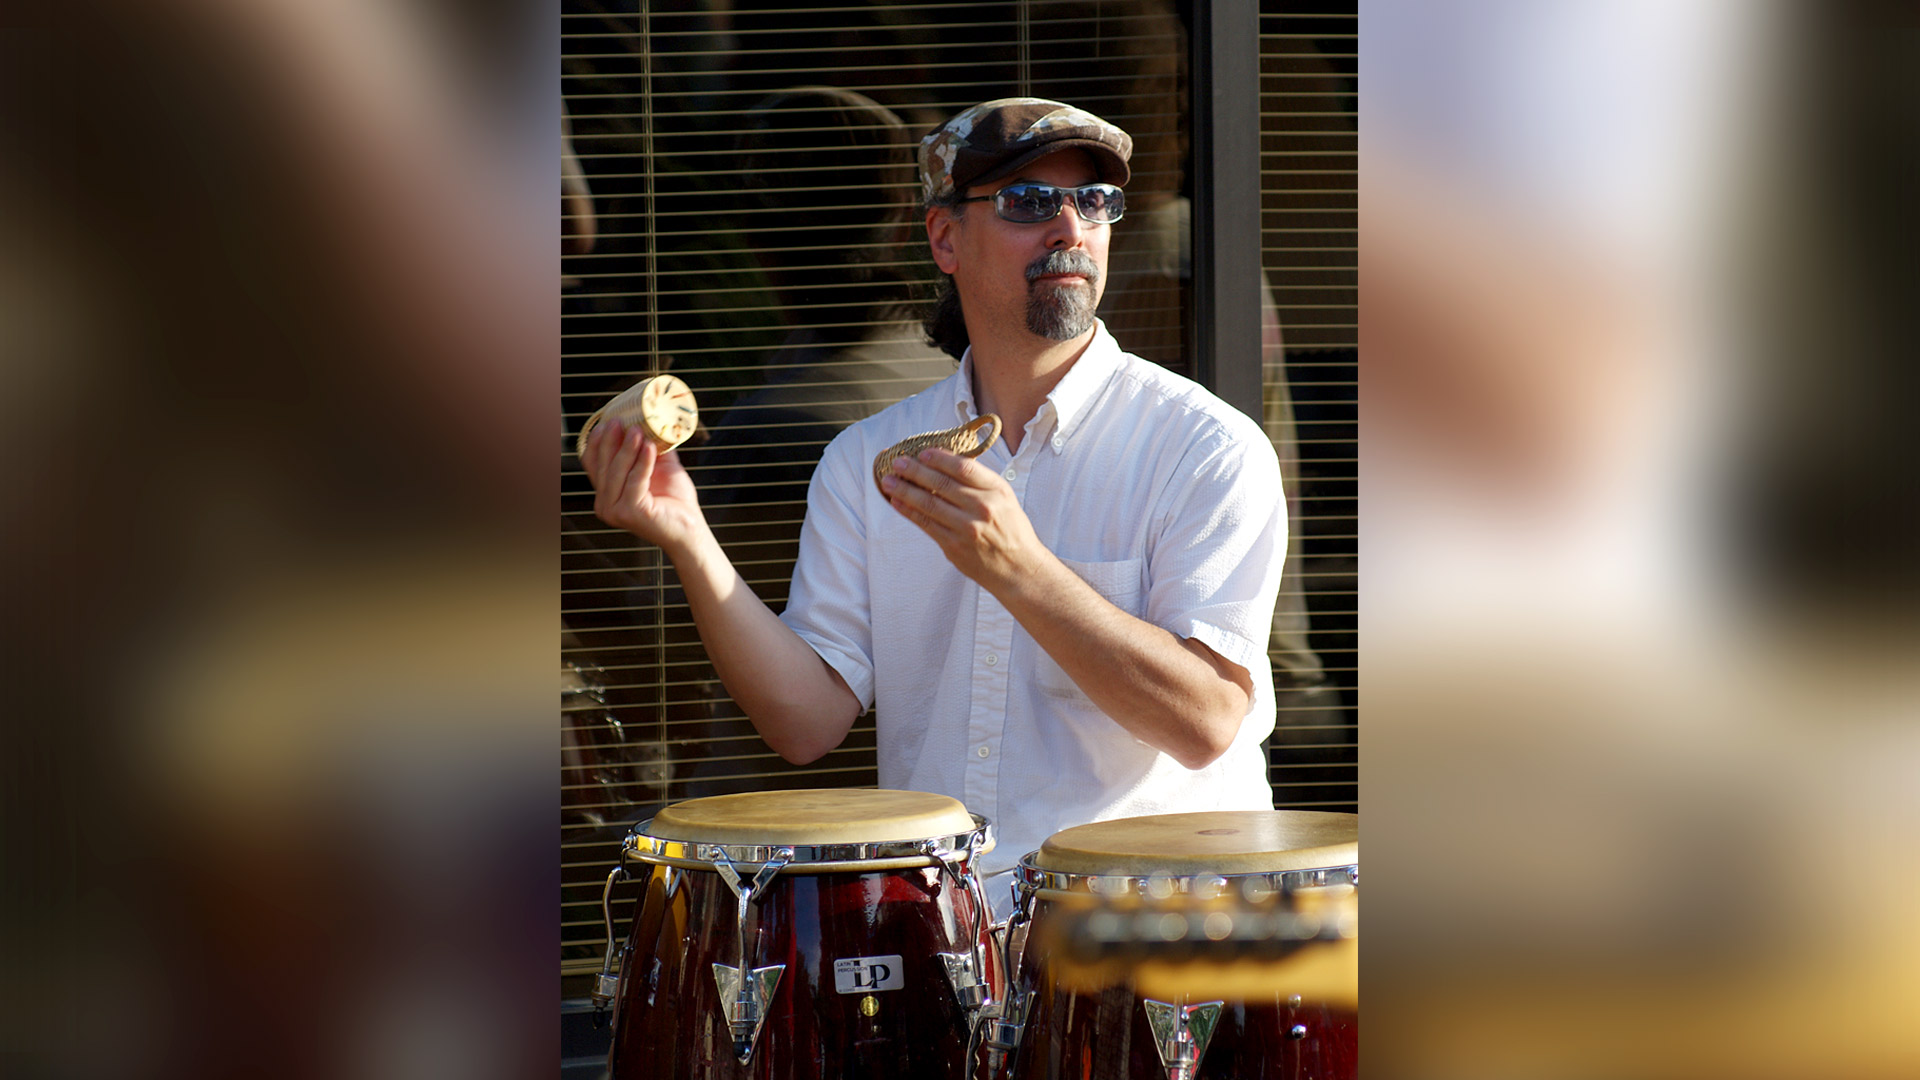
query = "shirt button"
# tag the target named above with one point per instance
(992, 659)
(1010, 473)
(1057, 441)
(984, 751)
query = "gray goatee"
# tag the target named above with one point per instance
(1061, 312)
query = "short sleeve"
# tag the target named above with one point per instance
(828, 604)
(1219, 546)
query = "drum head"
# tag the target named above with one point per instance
(1220, 842)
(812, 817)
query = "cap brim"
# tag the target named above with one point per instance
(1110, 167)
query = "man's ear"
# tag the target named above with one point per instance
(940, 227)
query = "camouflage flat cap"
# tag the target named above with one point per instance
(995, 138)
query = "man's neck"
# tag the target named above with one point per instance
(1013, 378)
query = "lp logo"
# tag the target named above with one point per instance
(865, 974)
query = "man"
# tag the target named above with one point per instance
(1072, 626)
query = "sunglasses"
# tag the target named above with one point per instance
(1030, 203)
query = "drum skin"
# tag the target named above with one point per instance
(669, 1024)
(1105, 1033)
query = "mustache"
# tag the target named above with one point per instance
(1063, 262)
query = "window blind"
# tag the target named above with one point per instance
(1309, 254)
(747, 218)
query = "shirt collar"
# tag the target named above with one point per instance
(1072, 396)
(963, 390)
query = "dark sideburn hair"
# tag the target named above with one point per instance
(945, 328)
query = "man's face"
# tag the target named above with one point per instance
(1047, 276)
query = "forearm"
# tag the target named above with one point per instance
(796, 701)
(1171, 693)
(1174, 694)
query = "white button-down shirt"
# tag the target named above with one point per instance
(1162, 497)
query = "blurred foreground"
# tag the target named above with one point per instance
(279, 566)
(1641, 776)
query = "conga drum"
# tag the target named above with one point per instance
(1185, 947)
(803, 934)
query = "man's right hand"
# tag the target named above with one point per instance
(639, 489)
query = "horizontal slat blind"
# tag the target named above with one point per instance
(1309, 252)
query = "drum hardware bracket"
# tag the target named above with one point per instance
(1023, 895)
(607, 984)
(966, 971)
(744, 996)
(1001, 1026)
(746, 991)
(1005, 1023)
(1181, 1033)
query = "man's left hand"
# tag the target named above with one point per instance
(970, 511)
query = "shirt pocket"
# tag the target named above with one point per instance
(1120, 583)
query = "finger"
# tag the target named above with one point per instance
(910, 502)
(964, 471)
(666, 462)
(924, 508)
(621, 456)
(639, 479)
(928, 476)
(616, 445)
(598, 444)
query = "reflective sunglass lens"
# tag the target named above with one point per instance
(1029, 202)
(1099, 202)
